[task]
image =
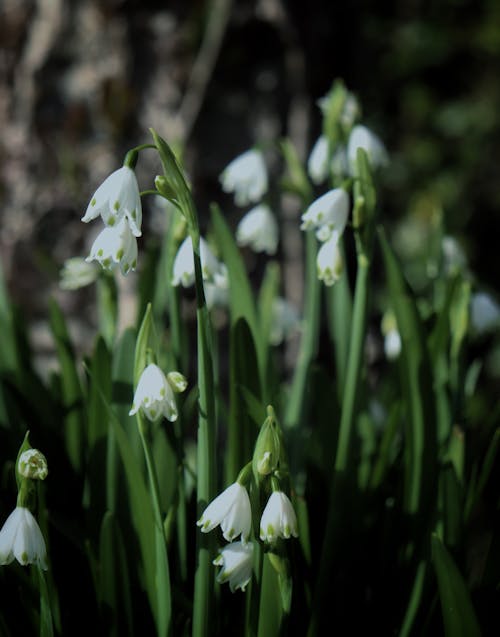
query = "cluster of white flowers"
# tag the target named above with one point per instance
(154, 395)
(232, 511)
(118, 202)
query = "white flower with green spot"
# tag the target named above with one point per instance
(246, 177)
(236, 560)
(329, 262)
(183, 269)
(278, 518)
(115, 246)
(21, 538)
(117, 198)
(259, 230)
(328, 213)
(154, 394)
(231, 509)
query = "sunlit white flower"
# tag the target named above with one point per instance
(329, 261)
(285, 320)
(485, 312)
(154, 395)
(77, 273)
(259, 230)
(116, 198)
(33, 464)
(246, 176)
(278, 518)
(21, 538)
(115, 245)
(317, 164)
(392, 344)
(328, 213)
(183, 270)
(363, 137)
(236, 560)
(230, 509)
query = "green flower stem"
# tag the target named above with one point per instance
(309, 342)
(181, 505)
(204, 576)
(164, 609)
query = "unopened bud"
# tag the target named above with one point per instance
(177, 381)
(267, 448)
(33, 464)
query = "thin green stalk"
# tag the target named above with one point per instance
(164, 605)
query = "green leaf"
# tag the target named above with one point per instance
(459, 617)
(46, 625)
(146, 346)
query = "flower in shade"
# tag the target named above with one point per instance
(278, 518)
(246, 177)
(485, 313)
(21, 538)
(230, 509)
(259, 230)
(284, 320)
(115, 245)
(317, 164)
(217, 291)
(183, 270)
(236, 560)
(154, 394)
(77, 273)
(329, 261)
(327, 213)
(392, 337)
(117, 198)
(363, 137)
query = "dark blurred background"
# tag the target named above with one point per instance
(82, 81)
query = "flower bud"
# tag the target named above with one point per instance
(33, 464)
(177, 381)
(267, 448)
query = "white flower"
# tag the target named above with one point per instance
(154, 395)
(350, 111)
(317, 164)
(230, 509)
(77, 273)
(339, 165)
(183, 269)
(113, 246)
(236, 560)
(259, 230)
(117, 197)
(246, 176)
(284, 320)
(453, 256)
(278, 518)
(485, 312)
(327, 213)
(33, 464)
(363, 137)
(22, 539)
(329, 261)
(217, 292)
(392, 344)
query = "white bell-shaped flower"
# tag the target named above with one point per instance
(259, 230)
(284, 320)
(183, 269)
(21, 538)
(236, 560)
(484, 313)
(117, 197)
(217, 291)
(278, 518)
(77, 273)
(230, 509)
(329, 261)
(328, 213)
(317, 164)
(363, 137)
(115, 246)
(154, 395)
(246, 177)
(392, 344)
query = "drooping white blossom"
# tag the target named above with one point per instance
(230, 509)
(236, 560)
(183, 269)
(76, 273)
(284, 320)
(329, 261)
(392, 344)
(117, 198)
(259, 230)
(115, 246)
(317, 164)
(363, 137)
(246, 177)
(154, 395)
(327, 214)
(278, 518)
(484, 313)
(21, 539)
(217, 291)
